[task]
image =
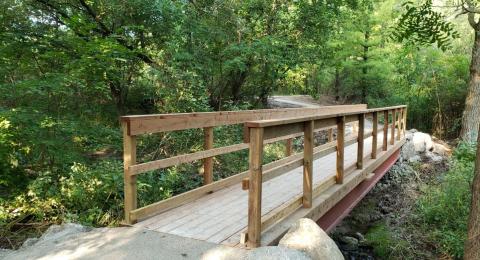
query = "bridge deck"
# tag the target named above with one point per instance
(221, 217)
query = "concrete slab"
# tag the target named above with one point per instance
(122, 243)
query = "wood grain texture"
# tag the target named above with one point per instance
(374, 135)
(308, 144)
(255, 187)
(340, 149)
(208, 162)
(130, 181)
(361, 133)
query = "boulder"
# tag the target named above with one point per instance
(277, 253)
(422, 142)
(305, 235)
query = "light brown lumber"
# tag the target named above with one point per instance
(208, 162)
(330, 134)
(360, 144)
(255, 188)
(289, 147)
(340, 148)
(328, 198)
(405, 110)
(308, 144)
(392, 134)
(130, 181)
(374, 135)
(385, 130)
(399, 124)
(143, 124)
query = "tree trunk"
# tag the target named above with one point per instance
(472, 245)
(363, 81)
(471, 114)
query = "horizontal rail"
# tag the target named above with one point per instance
(292, 120)
(143, 124)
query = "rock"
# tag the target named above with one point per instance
(224, 253)
(359, 236)
(408, 149)
(305, 235)
(422, 142)
(350, 243)
(277, 253)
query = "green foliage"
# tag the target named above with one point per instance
(384, 242)
(444, 208)
(423, 25)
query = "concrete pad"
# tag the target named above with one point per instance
(119, 243)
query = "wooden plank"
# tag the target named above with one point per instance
(392, 133)
(374, 135)
(208, 162)
(130, 181)
(142, 124)
(385, 130)
(399, 124)
(308, 144)
(289, 147)
(255, 188)
(325, 123)
(330, 134)
(340, 148)
(185, 158)
(282, 130)
(361, 132)
(405, 121)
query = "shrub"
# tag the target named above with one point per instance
(444, 208)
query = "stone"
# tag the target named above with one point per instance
(422, 142)
(277, 253)
(350, 243)
(359, 236)
(306, 236)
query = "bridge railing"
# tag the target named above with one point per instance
(262, 130)
(134, 126)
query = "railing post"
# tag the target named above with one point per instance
(308, 164)
(374, 135)
(129, 180)
(289, 147)
(399, 124)
(360, 140)
(208, 162)
(392, 134)
(340, 148)
(404, 121)
(330, 135)
(385, 130)
(255, 187)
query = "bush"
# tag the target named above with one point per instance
(444, 208)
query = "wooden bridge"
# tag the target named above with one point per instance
(256, 207)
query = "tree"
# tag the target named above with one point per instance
(472, 244)
(423, 25)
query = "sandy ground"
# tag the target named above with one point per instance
(299, 101)
(70, 241)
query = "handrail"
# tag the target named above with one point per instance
(136, 125)
(274, 128)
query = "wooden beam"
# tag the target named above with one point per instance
(255, 188)
(308, 145)
(392, 134)
(330, 134)
(143, 124)
(374, 135)
(361, 132)
(130, 181)
(340, 148)
(399, 124)
(405, 110)
(385, 130)
(289, 147)
(208, 162)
